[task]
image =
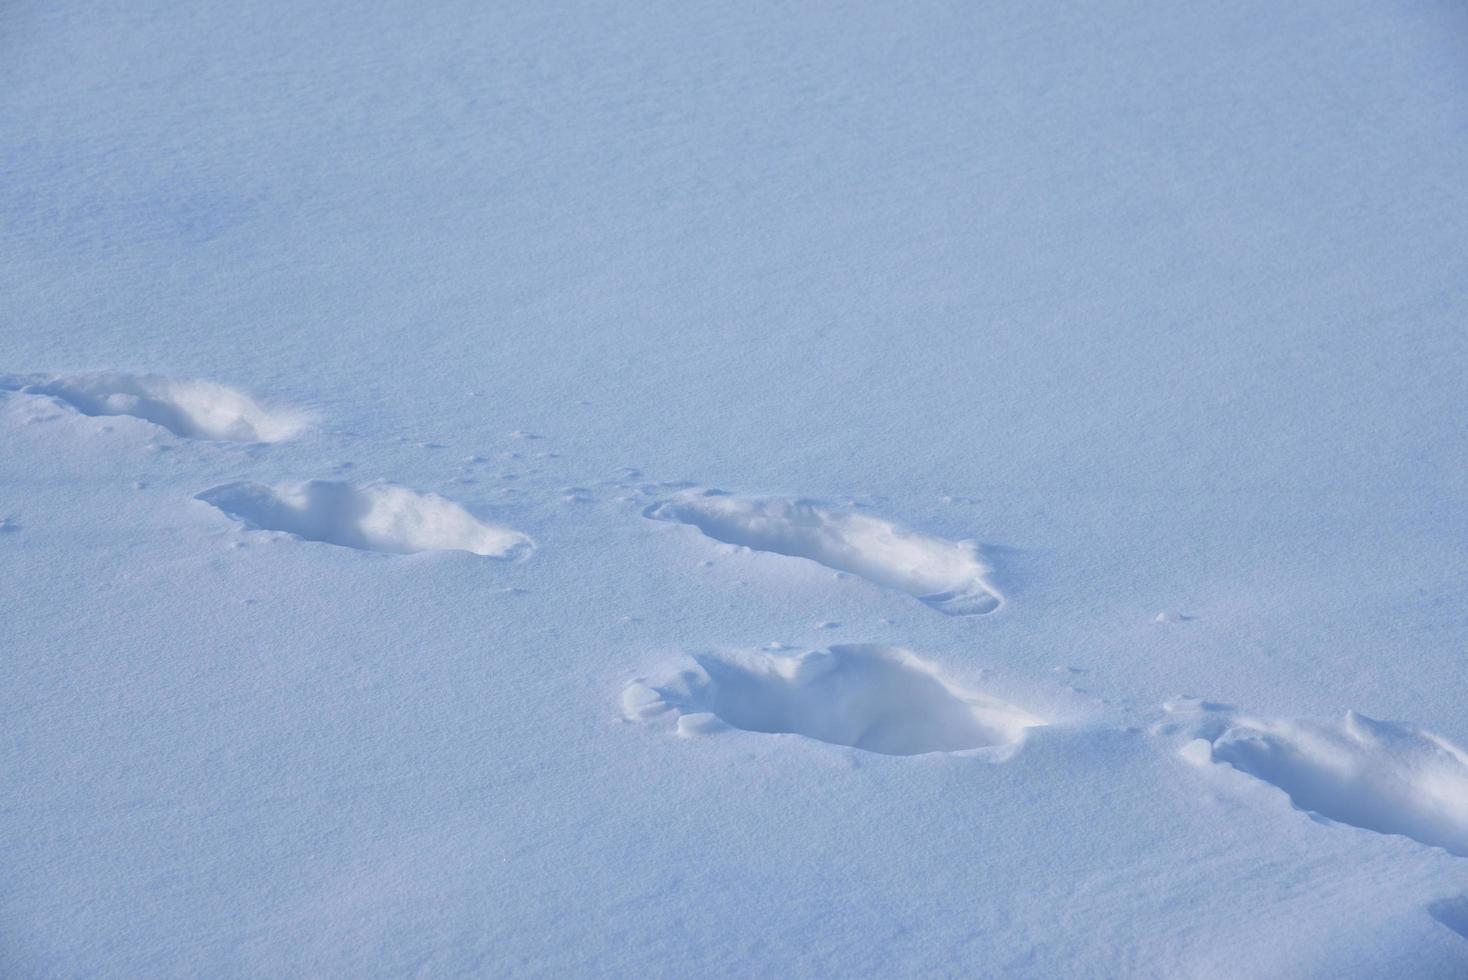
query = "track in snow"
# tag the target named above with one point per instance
(370, 517)
(186, 407)
(1381, 776)
(947, 575)
(878, 698)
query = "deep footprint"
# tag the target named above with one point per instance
(369, 517)
(877, 698)
(947, 575)
(1390, 778)
(186, 407)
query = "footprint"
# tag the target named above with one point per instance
(186, 407)
(371, 517)
(878, 698)
(1390, 778)
(947, 575)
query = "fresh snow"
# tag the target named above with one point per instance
(1085, 596)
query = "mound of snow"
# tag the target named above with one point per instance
(370, 517)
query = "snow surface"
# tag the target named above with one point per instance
(1162, 307)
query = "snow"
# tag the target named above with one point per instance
(360, 368)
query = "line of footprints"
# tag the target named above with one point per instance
(1381, 776)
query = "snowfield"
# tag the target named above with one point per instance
(1087, 590)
